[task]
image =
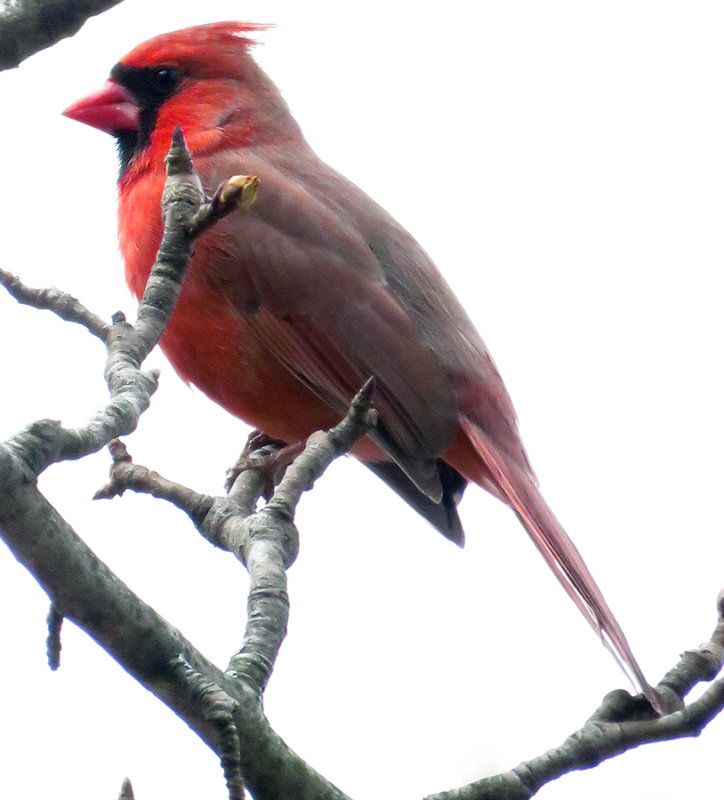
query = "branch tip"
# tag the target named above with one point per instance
(361, 409)
(365, 393)
(239, 190)
(720, 605)
(126, 790)
(62, 304)
(53, 643)
(119, 452)
(178, 160)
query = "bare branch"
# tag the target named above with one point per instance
(53, 645)
(27, 26)
(85, 591)
(219, 707)
(239, 191)
(621, 723)
(127, 475)
(126, 790)
(183, 204)
(64, 305)
(322, 448)
(265, 541)
(224, 708)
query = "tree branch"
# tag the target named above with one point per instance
(621, 723)
(64, 305)
(183, 203)
(224, 708)
(221, 708)
(266, 542)
(27, 26)
(149, 648)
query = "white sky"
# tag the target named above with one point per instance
(563, 164)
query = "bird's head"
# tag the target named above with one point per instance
(201, 79)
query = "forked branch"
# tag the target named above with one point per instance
(224, 707)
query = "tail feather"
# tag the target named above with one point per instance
(561, 555)
(443, 515)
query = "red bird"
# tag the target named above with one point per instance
(289, 307)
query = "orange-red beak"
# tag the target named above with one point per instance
(113, 109)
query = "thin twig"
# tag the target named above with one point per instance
(53, 643)
(124, 474)
(61, 303)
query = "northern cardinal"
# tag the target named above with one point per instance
(288, 308)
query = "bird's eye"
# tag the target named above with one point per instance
(165, 80)
(151, 85)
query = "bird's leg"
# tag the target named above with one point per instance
(268, 456)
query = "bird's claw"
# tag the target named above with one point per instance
(266, 455)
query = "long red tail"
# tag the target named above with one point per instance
(518, 488)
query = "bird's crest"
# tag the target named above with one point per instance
(216, 43)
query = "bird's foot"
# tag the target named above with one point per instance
(266, 455)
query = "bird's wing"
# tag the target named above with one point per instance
(439, 321)
(313, 293)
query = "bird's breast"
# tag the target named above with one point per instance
(210, 344)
